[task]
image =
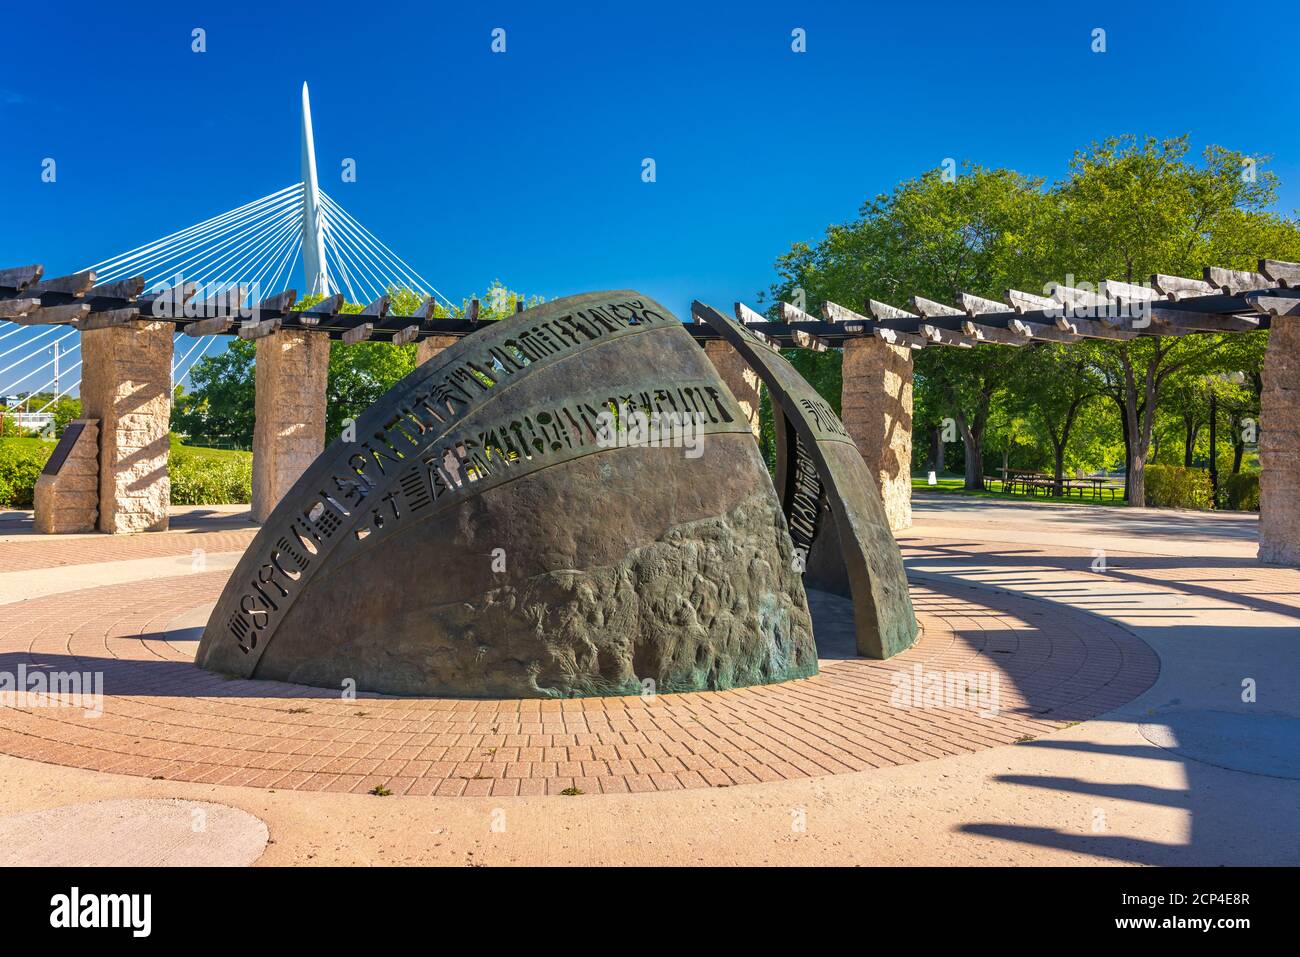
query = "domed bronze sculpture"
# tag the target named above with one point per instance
(567, 502)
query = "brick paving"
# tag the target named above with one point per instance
(30, 553)
(164, 718)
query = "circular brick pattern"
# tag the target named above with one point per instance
(165, 718)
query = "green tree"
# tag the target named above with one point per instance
(934, 238)
(1130, 208)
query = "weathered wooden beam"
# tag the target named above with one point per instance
(896, 338)
(746, 316)
(983, 333)
(1275, 302)
(167, 303)
(853, 322)
(109, 318)
(1095, 329)
(945, 337)
(278, 304)
(1281, 273)
(929, 309)
(255, 329)
(1076, 298)
(20, 277)
(358, 333)
(408, 334)
(1023, 302)
(1202, 321)
(883, 310)
(471, 312)
(427, 311)
(802, 338)
(78, 284)
(215, 326)
(1044, 331)
(1155, 326)
(378, 308)
(15, 308)
(325, 309)
(1180, 287)
(978, 305)
(126, 289)
(1232, 281)
(226, 302)
(55, 315)
(1125, 293)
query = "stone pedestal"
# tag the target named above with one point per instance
(126, 386)
(426, 349)
(292, 373)
(67, 492)
(876, 408)
(740, 378)
(1279, 446)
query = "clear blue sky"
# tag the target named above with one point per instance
(527, 165)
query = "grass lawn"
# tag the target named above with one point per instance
(215, 455)
(953, 485)
(198, 451)
(28, 445)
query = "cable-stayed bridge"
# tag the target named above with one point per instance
(297, 237)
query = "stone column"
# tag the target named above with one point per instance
(740, 378)
(289, 432)
(876, 407)
(426, 349)
(1279, 445)
(67, 491)
(126, 384)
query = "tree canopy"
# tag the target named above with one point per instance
(1127, 208)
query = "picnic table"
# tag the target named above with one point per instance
(1032, 481)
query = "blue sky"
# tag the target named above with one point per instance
(527, 165)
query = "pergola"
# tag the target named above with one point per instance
(127, 345)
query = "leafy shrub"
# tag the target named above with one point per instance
(1243, 492)
(21, 461)
(1173, 486)
(199, 479)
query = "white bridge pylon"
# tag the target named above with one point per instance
(256, 245)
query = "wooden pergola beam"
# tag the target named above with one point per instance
(76, 285)
(803, 339)
(929, 309)
(1044, 329)
(17, 308)
(1023, 302)
(834, 312)
(1281, 273)
(1275, 302)
(55, 315)
(983, 333)
(109, 318)
(1232, 281)
(1203, 321)
(18, 278)
(883, 311)
(1180, 287)
(897, 338)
